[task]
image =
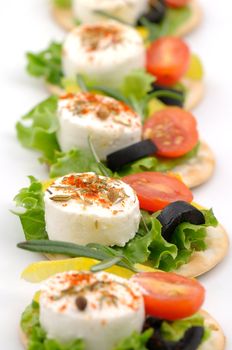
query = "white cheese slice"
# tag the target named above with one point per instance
(105, 52)
(111, 124)
(100, 308)
(128, 11)
(87, 208)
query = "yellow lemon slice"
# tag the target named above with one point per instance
(40, 271)
(196, 70)
(47, 183)
(154, 106)
(37, 297)
(143, 32)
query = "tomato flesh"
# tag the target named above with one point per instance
(168, 59)
(177, 3)
(169, 296)
(157, 190)
(173, 130)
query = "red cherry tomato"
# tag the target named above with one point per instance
(177, 3)
(173, 130)
(156, 190)
(168, 60)
(169, 296)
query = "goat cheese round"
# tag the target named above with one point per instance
(101, 308)
(88, 208)
(128, 11)
(105, 52)
(111, 124)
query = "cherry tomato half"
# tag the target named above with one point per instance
(177, 3)
(173, 130)
(156, 190)
(168, 59)
(170, 296)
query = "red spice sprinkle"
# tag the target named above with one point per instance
(89, 189)
(108, 291)
(83, 103)
(92, 37)
(75, 279)
(63, 308)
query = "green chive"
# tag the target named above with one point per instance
(106, 264)
(73, 250)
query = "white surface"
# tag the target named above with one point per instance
(26, 25)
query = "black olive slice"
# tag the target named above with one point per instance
(152, 322)
(118, 159)
(170, 101)
(156, 12)
(190, 341)
(176, 213)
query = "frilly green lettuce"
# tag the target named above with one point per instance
(31, 214)
(174, 331)
(173, 19)
(37, 130)
(63, 3)
(73, 161)
(47, 64)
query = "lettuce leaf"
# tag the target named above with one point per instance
(37, 129)
(173, 19)
(148, 245)
(47, 64)
(63, 3)
(30, 200)
(135, 341)
(174, 331)
(156, 164)
(137, 84)
(79, 161)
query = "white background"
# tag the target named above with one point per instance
(27, 25)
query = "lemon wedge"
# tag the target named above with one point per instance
(36, 296)
(195, 71)
(47, 183)
(143, 32)
(154, 106)
(40, 271)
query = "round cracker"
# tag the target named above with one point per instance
(201, 262)
(65, 18)
(195, 92)
(23, 338)
(193, 21)
(215, 342)
(197, 170)
(217, 339)
(55, 89)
